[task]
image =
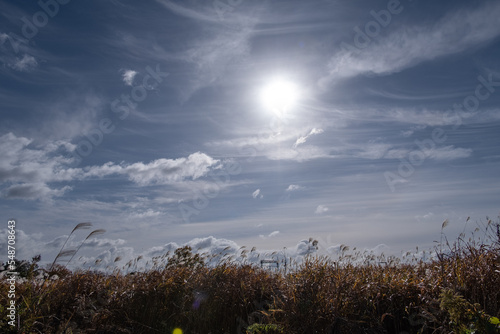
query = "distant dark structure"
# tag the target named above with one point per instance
(269, 263)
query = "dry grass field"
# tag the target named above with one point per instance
(458, 292)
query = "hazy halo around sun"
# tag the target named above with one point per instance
(279, 95)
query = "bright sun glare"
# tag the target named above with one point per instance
(279, 96)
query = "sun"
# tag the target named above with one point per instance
(280, 96)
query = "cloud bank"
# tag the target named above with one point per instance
(31, 172)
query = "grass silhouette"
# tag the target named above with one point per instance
(458, 292)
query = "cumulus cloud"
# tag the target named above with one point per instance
(454, 33)
(161, 171)
(128, 77)
(320, 209)
(305, 247)
(270, 235)
(100, 254)
(95, 242)
(294, 187)
(28, 172)
(257, 194)
(34, 172)
(145, 214)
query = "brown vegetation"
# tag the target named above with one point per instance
(457, 292)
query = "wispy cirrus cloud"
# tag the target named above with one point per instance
(456, 32)
(26, 63)
(299, 154)
(196, 12)
(374, 151)
(303, 139)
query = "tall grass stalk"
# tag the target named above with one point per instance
(91, 234)
(79, 226)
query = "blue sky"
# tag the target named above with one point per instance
(148, 121)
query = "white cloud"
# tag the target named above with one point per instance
(448, 153)
(28, 171)
(145, 214)
(161, 171)
(188, 12)
(305, 247)
(374, 151)
(257, 194)
(98, 242)
(270, 235)
(303, 139)
(3, 37)
(266, 138)
(426, 216)
(294, 187)
(214, 54)
(320, 209)
(407, 133)
(267, 144)
(273, 234)
(215, 250)
(300, 154)
(128, 77)
(25, 64)
(454, 33)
